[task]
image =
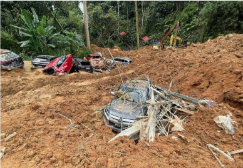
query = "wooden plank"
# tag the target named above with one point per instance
(130, 131)
(236, 151)
(185, 111)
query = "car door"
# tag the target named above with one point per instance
(67, 64)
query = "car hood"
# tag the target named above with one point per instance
(53, 63)
(125, 109)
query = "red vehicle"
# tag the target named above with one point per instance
(61, 66)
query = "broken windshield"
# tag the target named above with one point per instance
(61, 61)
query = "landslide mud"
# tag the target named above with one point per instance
(31, 104)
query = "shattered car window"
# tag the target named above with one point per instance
(85, 63)
(61, 61)
(96, 57)
(134, 94)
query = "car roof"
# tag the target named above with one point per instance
(137, 83)
(4, 51)
(45, 56)
(82, 60)
(123, 58)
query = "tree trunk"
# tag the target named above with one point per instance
(86, 25)
(142, 16)
(118, 16)
(127, 18)
(137, 28)
(177, 26)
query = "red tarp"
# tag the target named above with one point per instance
(123, 33)
(145, 38)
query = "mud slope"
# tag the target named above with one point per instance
(32, 104)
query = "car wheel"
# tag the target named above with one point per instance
(65, 73)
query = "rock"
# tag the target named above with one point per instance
(49, 154)
(60, 143)
(3, 135)
(75, 160)
(40, 122)
(229, 37)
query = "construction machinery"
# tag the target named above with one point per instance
(177, 38)
(176, 26)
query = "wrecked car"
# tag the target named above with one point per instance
(41, 61)
(62, 66)
(84, 65)
(94, 56)
(123, 60)
(9, 60)
(127, 104)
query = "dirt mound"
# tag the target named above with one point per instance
(33, 105)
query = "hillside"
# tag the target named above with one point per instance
(31, 104)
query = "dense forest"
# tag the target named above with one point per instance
(55, 27)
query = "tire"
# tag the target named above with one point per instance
(65, 73)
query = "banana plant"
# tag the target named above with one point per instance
(35, 32)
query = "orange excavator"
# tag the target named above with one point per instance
(168, 33)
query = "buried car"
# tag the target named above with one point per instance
(127, 104)
(62, 65)
(123, 60)
(9, 60)
(84, 65)
(41, 61)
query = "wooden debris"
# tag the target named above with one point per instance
(130, 131)
(162, 108)
(185, 111)
(10, 136)
(2, 152)
(177, 124)
(221, 152)
(236, 151)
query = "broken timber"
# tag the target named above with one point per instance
(130, 131)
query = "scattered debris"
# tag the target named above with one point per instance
(236, 151)
(177, 124)
(225, 123)
(174, 137)
(130, 131)
(221, 152)
(71, 125)
(10, 136)
(2, 152)
(162, 108)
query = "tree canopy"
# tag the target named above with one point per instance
(57, 27)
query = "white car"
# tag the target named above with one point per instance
(123, 60)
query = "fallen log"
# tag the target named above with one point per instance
(206, 103)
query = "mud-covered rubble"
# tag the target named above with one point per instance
(30, 103)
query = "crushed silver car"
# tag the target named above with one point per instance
(127, 104)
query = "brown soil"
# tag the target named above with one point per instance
(31, 101)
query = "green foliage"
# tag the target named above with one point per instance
(36, 36)
(37, 31)
(8, 41)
